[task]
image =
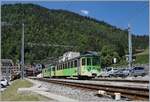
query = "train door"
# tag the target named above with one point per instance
(50, 72)
(54, 70)
(79, 66)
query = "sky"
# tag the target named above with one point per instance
(116, 13)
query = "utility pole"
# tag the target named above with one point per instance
(130, 46)
(22, 53)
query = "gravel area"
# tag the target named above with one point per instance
(74, 93)
(146, 77)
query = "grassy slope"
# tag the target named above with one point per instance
(10, 94)
(143, 57)
(144, 52)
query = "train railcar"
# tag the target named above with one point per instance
(87, 65)
(48, 72)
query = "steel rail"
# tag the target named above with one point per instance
(122, 80)
(111, 80)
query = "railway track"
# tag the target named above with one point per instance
(112, 80)
(133, 93)
(121, 80)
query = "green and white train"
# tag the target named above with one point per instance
(84, 66)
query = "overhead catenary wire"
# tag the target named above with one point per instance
(49, 45)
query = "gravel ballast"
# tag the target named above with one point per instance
(73, 93)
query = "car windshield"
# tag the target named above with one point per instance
(138, 68)
(123, 69)
(115, 69)
(127, 69)
(2, 79)
(108, 68)
(119, 70)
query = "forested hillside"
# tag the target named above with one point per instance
(60, 27)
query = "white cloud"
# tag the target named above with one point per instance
(86, 12)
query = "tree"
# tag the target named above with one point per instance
(107, 54)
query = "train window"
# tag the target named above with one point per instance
(66, 65)
(55, 67)
(58, 67)
(63, 65)
(83, 61)
(69, 65)
(75, 63)
(88, 61)
(72, 64)
(49, 69)
(96, 61)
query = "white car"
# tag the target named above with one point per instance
(104, 73)
(4, 83)
(108, 72)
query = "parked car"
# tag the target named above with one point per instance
(122, 73)
(112, 72)
(137, 71)
(104, 74)
(4, 83)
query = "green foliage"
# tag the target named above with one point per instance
(108, 53)
(142, 59)
(59, 27)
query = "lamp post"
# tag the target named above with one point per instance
(130, 46)
(22, 53)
